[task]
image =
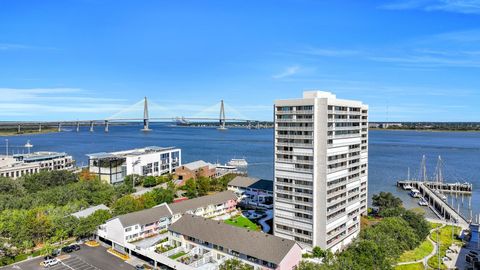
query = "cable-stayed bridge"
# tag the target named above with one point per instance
(126, 116)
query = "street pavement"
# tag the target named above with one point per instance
(87, 258)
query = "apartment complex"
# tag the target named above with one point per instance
(18, 165)
(215, 242)
(321, 158)
(152, 223)
(149, 161)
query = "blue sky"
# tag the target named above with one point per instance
(418, 60)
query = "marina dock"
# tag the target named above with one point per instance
(436, 203)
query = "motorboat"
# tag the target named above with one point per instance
(415, 193)
(423, 202)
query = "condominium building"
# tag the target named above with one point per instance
(18, 165)
(321, 158)
(149, 161)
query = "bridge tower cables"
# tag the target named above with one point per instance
(145, 116)
(222, 116)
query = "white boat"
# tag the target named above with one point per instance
(407, 187)
(423, 202)
(415, 193)
(443, 197)
(238, 162)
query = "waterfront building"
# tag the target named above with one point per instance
(18, 165)
(217, 242)
(146, 227)
(149, 161)
(194, 170)
(253, 192)
(320, 176)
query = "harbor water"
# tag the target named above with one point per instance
(391, 153)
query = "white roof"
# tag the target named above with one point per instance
(87, 212)
(198, 164)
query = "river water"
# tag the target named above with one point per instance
(391, 152)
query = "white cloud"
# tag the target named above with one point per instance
(289, 71)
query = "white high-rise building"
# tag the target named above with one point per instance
(321, 173)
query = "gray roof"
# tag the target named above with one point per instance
(146, 216)
(88, 211)
(151, 215)
(256, 244)
(192, 204)
(251, 182)
(196, 165)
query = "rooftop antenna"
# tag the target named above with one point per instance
(28, 145)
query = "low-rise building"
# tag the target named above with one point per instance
(252, 191)
(194, 170)
(90, 210)
(214, 242)
(150, 223)
(18, 165)
(149, 161)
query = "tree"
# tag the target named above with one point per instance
(386, 200)
(203, 186)
(306, 265)
(234, 264)
(191, 189)
(133, 177)
(149, 181)
(126, 204)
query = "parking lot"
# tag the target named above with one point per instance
(88, 258)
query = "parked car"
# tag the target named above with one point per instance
(139, 267)
(67, 249)
(48, 257)
(75, 247)
(50, 262)
(56, 252)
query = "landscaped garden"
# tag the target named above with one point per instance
(177, 255)
(425, 248)
(446, 240)
(243, 222)
(413, 266)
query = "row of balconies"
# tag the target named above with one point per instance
(294, 161)
(295, 112)
(294, 128)
(294, 120)
(297, 137)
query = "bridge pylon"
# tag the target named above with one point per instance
(145, 116)
(222, 117)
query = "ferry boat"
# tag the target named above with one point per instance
(238, 162)
(423, 202)
(181, 121)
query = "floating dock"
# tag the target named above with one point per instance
(436, 203)
(460, 188)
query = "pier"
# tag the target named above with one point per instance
(436, 203)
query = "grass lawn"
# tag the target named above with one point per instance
(243, 222)
(413, 266)
(178, 255)
(445, 242)
(425, 248)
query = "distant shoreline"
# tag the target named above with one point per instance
(5, 133)
(426, 130)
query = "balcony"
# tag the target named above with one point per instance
(294, 128)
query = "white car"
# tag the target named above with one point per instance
(50, 262)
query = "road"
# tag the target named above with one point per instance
(88, 258)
